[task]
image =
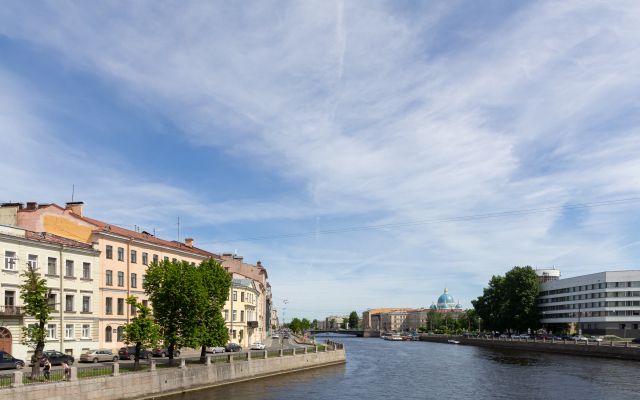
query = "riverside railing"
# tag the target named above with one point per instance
(20, 378)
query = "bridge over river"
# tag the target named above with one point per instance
(357, 332)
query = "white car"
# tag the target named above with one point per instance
(580, 338)
(215, 350)
(594, 339)
(504, 335)
(258, 346)
(276, 336)
(515, 336)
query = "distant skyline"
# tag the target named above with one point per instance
(269, 119)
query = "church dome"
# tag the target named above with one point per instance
(446, 298)
(458, 306)
(433, 306)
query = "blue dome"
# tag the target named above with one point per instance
(459, 306)
(445, 298)
(433, 306)
(445, 307)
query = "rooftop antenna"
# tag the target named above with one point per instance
(73, 191)
(154, 232)
(178, 228)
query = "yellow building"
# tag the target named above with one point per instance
(241, 312)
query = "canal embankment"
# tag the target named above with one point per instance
(158, 379)
(620, 350)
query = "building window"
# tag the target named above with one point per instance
(120, 278)
(86, 331)
(120, 254)
(145, 259)
(134, 310)
(226, 315)
(234, 315)
(134, 280)
(194, 264)
(134, 256)
(68, 303)
(145, 303)
(51, 331)
(109, 305)
(234, 333)
(174, 260)
(69, 270)
(53, 302)
(52, 266)
(144, 280)
(242, 297)
(155, 258)
(10, 260)
(86, 270)
(9, 298)
(235, 296)
(107, 334)
(109, 277)
(33, 262)
(119, 334)
(166, 258)
(109, 252)
(85, 303)
(120, 306)
(241, 316)
(68, 331)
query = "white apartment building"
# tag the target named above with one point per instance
(604, 303)
(72, 273)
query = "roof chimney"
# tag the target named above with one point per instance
(32, 205)
(259, 264)
(188, 242)
(75, 207)
(19, 206)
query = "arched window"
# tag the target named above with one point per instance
(107, 334)
(119, 334)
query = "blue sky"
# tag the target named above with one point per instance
(263, 118)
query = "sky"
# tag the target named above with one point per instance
(256, 121)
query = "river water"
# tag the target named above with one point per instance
(382, 369)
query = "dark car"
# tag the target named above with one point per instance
(163, 352)
(566, 337)
(129, 353)
(8, 361)
(286, 336)
(232, 347)
(56, 358)
(636, 340)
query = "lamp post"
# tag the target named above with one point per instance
(479, 324)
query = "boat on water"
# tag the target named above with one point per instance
(393, 337)
(451, 341)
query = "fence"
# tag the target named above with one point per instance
(56, 375)
(92, 372)
(6, 381)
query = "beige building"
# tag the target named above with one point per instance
(71, 269)
(124, 258)
(371, 318)
(242, 310)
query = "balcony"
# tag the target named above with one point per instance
(11, 310)
(252, 324)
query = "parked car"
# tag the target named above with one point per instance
(95, 356)
(566, 337)
(216, 349)
(258, 346)
(232, 347)
(129, 353)
(286, 336)
(636, 340)
(56, 358)
(579, 338)
(515, 336)
(276, 336)
(504, 335)
(8, 361)
(164, 352)
(594, 339)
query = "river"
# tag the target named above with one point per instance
(381, 369)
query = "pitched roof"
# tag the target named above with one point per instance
(116, 230)
(55, 239)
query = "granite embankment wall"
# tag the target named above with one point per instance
(582, 348)
(159, 382)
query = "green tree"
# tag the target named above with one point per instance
(295, 325)
(273, 327)
(305, 324)
(178, 298)
(35, 297)
(434, 319)
(142, 332)
(333, 321)
(216, 283)
(344, 323)
(449, 321)
(491, 305)
(522, 298)
(315, 324)
(353, 320)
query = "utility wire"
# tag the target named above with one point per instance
(436, 221)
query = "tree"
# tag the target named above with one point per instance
(449, 321)
(178, 298)
(315, 324)
(240, 335)
(434, 319)
(353, 320)
(216, 283)
(142, 332)
(305, 324)
(491, 305)
(273, 327)
(333, 321)
(345, 322)
(295, 325)
(35, 297)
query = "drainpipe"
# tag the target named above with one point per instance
(231, 315)
(128, 279)
(62, 271)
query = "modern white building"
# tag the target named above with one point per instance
(72, 272)
(604, 303)
(548, 275)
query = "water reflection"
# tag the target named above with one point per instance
(379, 369)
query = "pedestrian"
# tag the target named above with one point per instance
(47, 369)
(66, 372)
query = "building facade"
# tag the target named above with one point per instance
(242, 311)
(71, 270)
(604, 303)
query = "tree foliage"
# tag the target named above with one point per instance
(344, 323)
(216, 283)
(35, 299)
(509, 302)
(295, 325)
(353, 320)
(142, 331)
(434, 319)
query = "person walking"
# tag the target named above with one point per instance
(47, 369)
(66, 372)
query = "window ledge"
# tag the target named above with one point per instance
(52, 275)
(86, 312)
(69, 339)
(11, 271)
(108, 284)
(52, 340)
(73, 278)
(54, 311)
(86, 279)
(69, 312)
(86, 338)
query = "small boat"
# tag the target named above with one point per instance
(393, 337)
(451, 341)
